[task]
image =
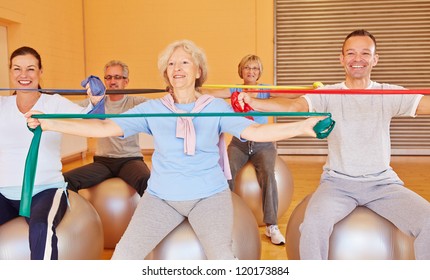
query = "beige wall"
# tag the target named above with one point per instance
(54, 29)
(4, 79)
(227, 30)
(136, 31)
(77, 37)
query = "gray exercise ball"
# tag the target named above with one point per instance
(183, 244)
(362, 235)
(247, 187)
(115, 202)
(80, 234)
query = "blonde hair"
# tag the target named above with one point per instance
(197, 54)
(250, 58)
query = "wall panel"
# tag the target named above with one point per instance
(308, 40)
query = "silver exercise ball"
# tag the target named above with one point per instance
(80, 234)
(115, 202)
(247, 187)
(183, 244)
(362, 235)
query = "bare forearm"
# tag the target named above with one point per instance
(217, 92)
(424, 106)
(279, 105)
(86, 127)
(285, 95)
(280, 131)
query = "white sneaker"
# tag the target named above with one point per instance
(275, 235)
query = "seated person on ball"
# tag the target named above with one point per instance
(357, 171)
(114, 157)
(262, 155)
(49, 198)
(187, 179)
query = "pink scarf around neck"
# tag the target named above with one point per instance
(185, 129)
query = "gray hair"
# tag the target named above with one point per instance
(125, 71)
(197, 54)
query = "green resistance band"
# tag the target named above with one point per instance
(322, 130)
(30, 173)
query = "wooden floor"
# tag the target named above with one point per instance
(306, 171)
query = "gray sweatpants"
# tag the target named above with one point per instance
(335, 198)
(263, 156)
(211, 219)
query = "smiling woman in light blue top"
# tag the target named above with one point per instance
(187, 180)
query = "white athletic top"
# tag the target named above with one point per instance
(359, 146)
(15, 142)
